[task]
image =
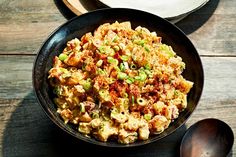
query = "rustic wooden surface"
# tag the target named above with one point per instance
(26, 131)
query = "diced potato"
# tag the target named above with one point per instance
(119, 117)
(158, 124)
(106, 131)
(144, 132)
(66, 114)
(172, 112)
(158, 107)
(84, 128)
(127, 136)
(74, 59)
(85, 117)
(132, 124)
(95, 123)
(185, 86)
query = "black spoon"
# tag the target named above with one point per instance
(207, 138)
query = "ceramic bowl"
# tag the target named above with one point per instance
(88, 22)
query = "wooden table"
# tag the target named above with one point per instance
(26, 131)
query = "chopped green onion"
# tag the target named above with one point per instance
(121, 75)
(111, 52)
(146, 48)
(87, 85)
(176, 92)
(100, 71)
(65, 75)
(126, 95)
(111, 80)
(141, 101)
(57, 90)
(95, 114)
(142, 75)
(102, 49)
(116, 68)
(99, 63)
(122, 67)
(104, 94)
(147, 116)
(182, 66)
(167, 49)
(124, 58)
(139, 42)
(129, 80)
(149, 73)
(116, 48)
(106, 42)
(132, 99)
(147, 66)
(63, 56)
(112, 60)
(84, 66)
(82, 107)
(133, 67)
(115, 39)
(138, 78)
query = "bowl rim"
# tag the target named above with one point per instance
(92, 140)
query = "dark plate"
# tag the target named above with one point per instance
(88, 22)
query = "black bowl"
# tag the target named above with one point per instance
(88, 22)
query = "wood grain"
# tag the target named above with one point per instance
(26, 131)
(25, 25)
(37, 20)
(24, 127)
(75, 6)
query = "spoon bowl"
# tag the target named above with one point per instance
(207, 138)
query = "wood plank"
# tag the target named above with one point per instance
(24, 128)
(212, 28)
(15, 75)
(25, 25)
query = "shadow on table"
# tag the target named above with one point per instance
(30, 132)
(196, 19)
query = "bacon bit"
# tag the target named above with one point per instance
(72, 46)
(148, 110)
(108, 104)
(134, 90)
(119, 87)
(100, 82)
(85, 117)
(100, 56)
(135, 114)
(58, 63)
(66, 114)
(136, 108)
(89, 106)
(85, 38)
(117, 56)
(74, 60)
(91, 68)
(165, 78)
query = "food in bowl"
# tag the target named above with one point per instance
(119, 83)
